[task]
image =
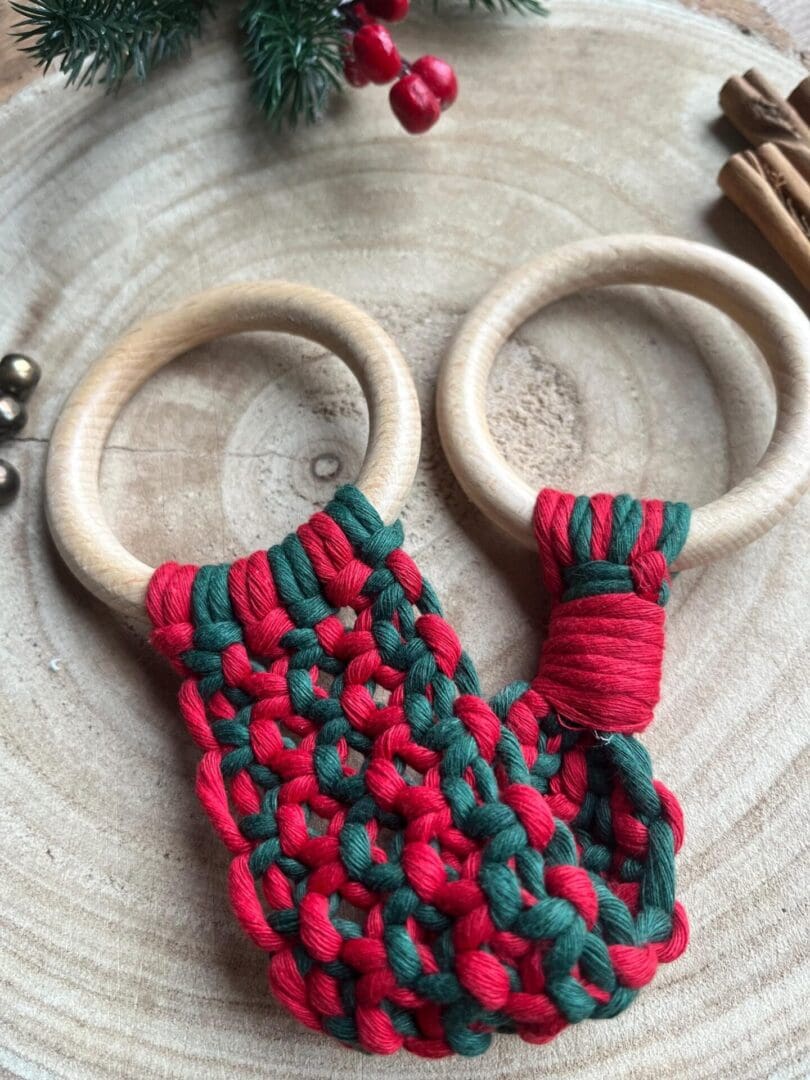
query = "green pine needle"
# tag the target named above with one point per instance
(294, 51)
(294, 48)
(103, 40)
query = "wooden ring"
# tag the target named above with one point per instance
(75, 515)
(768, 315)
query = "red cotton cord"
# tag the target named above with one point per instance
(424, 867)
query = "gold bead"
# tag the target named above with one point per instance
(9, 482)
(12, 415)
(19, 375)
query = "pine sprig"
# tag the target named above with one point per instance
(103, 40)
(294, 49)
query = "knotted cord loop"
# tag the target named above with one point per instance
(422, 867)
(605, 563)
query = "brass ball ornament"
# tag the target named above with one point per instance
(13, 416)
(19, 375)
(9, 482)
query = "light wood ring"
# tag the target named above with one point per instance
(77, 521)
(768, 315)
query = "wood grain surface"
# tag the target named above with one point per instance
(785, 23)
(118, 954)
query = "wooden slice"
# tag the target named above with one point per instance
(119, 955)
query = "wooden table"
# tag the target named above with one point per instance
(119, 957)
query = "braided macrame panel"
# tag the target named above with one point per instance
(424, 867)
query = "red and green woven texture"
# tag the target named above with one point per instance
(422, 866)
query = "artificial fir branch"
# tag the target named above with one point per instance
(297, 50)
(294, 49)
(103, 40)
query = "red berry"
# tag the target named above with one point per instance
(414, 104)
(360, 12)
(439, 77)
(355, 76)
(390, 10)
(376, 53)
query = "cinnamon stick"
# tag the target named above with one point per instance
(791, 187)
(758, 112)
(771, 183)
(769, 190)
(800, 100)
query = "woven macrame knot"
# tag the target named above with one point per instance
(605, 561)
(168, 604)
(422, 866)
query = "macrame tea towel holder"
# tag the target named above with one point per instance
(422, 866)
